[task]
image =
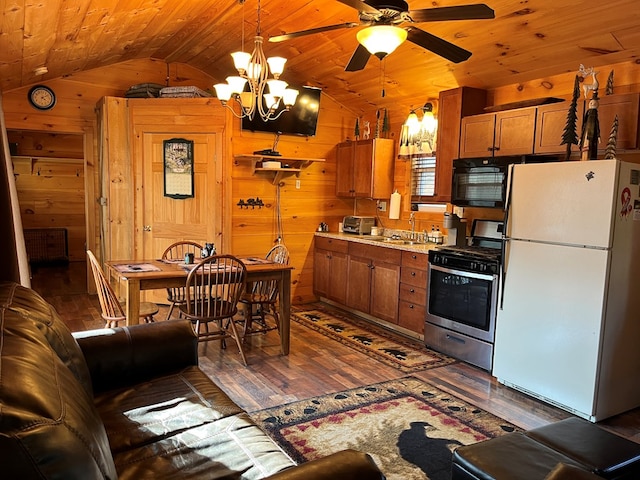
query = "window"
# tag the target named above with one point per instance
(423, 179)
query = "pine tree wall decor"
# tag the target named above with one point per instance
(570, 133)
(610, 152)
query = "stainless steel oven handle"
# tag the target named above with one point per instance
(463, 273)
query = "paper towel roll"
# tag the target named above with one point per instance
(394, 206)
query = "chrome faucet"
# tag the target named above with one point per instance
(412, 222)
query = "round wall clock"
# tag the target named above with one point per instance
(42, 97)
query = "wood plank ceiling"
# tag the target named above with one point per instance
(528, 39)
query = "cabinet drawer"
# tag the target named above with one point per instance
(413, 294)
(379, 254)
(414, 277)
(332, 244)
(412, 317)
(415, 260)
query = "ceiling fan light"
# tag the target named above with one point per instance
(381, 40)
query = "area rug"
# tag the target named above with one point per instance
(409, 427)
(389, 349)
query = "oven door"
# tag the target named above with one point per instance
(464, 302)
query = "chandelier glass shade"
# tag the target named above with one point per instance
(252, 89)
(381, 40)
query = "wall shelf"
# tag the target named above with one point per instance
(296, 165)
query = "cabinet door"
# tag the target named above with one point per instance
(339, 274)
(359, 286)
(385, 284)
(514, 132)
(383, 166)
(550, 122)
(344, 169)
(363, 168)
(321, 272)
(476, 137)
(626, 107)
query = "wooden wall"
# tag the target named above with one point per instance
(253, 231)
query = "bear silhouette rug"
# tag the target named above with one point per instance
(409, 427)
(385, 346)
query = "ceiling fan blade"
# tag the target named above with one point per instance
(360, 6)
(437, 45)
(311, 31)
(461, 12)
(358, 60)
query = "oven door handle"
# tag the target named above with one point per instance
(463, 273)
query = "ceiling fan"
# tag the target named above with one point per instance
(376, 13)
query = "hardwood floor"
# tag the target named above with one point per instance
(315, 366)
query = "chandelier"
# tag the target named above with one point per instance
(252, 89)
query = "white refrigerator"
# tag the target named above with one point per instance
(568, 325)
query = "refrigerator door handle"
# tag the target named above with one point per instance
(503, 270)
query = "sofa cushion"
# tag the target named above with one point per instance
(49, 425)
(183, 426)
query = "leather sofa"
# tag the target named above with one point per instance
(127, 403)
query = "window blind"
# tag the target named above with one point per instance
(423, 179)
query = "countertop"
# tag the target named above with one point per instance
(378, 241)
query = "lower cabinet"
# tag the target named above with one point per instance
(331, 269)
(374, 278)
(386, 283)
(412, 310)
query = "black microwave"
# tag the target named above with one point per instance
(482, 182)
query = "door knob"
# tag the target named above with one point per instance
(147, 228)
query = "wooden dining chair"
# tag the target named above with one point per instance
(177, 251)
(212, 291)
(112, 311)
(263, 299)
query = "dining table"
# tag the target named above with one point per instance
(139, 275)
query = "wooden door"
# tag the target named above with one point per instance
(514, 132)
(166, 220)
(550, 122)
(625, 106)
(321, 272)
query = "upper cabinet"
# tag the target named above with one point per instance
(510, 132)
(453, 105)
(364, 168)
(550, 122)
(626, 107)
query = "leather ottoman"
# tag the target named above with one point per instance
(536, 454)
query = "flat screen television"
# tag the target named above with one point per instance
(302, 119)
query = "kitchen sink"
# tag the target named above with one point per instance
(396, 241)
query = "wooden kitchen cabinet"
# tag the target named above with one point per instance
(374, 278)
(626, 107)
(453, 105)
(364, 168)
(510, 132)
(550, 122)
(330, 269)
(412, 309)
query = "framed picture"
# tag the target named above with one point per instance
(178, 168)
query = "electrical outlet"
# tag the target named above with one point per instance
(298, 184)
(382, 206)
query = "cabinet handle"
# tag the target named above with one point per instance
(414, 256)
(412, 291)
(495, 149)
(413, 274)
(411, 306)
(490, 149)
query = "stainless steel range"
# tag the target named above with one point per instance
(462, 296)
